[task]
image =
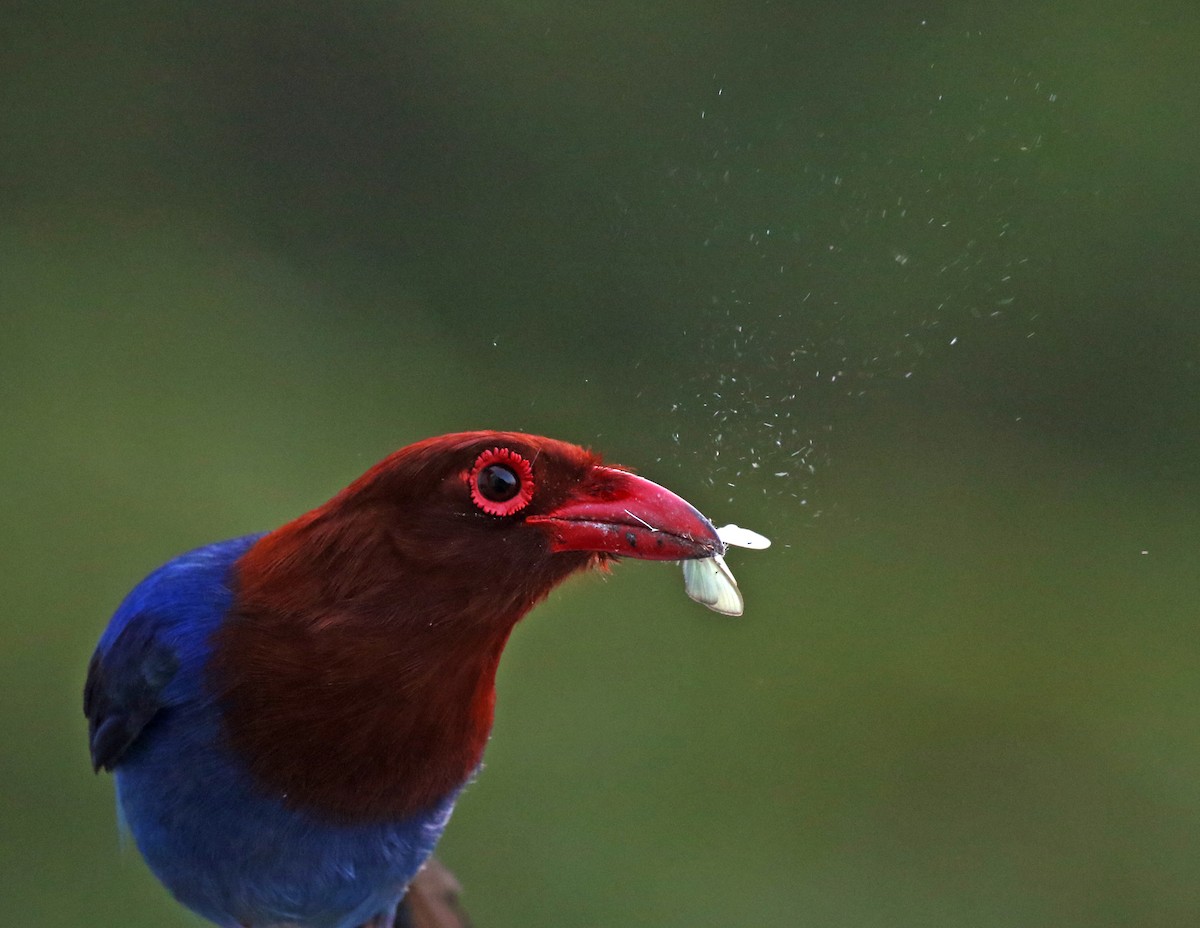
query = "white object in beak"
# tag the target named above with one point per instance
(709, 581)
(742, 537)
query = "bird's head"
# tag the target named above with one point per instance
(481, 522)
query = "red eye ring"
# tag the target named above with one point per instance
(501, 482)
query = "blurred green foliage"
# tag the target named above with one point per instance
(910, 287)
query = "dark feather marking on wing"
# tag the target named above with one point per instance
(124, 689)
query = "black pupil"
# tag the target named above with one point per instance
(498, 484)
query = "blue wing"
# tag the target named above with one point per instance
(140, 668)
(124, 689)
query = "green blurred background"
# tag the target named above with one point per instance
(910, 287)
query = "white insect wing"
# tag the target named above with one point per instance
(708, 581)
(742, 537)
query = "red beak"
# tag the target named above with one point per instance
(616, 512)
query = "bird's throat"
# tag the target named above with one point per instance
(353, 708)
(350, 729)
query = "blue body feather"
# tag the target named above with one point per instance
(207, 829)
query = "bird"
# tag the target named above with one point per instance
(290, 716)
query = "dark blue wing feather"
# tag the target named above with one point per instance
(160, 632)
(124, 688)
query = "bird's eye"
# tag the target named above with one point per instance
(497, 483)
(501, 482)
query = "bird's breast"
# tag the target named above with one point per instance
(354, 722)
